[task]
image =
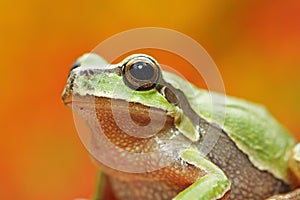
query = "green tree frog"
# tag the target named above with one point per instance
(254, 157)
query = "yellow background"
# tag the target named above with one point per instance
(255, 44)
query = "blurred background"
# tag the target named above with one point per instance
(255, 44)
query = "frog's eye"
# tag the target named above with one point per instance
(141, 73)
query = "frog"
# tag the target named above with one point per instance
(254, 156)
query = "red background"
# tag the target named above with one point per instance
(255, 44)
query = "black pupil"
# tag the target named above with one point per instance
(142, 71)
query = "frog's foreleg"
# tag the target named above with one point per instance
(294, 170)
(214, 185)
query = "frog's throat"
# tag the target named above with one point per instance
(125, 124)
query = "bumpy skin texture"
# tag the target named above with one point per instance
(252, 149)
(247, 181)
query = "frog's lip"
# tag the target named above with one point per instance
(67, 99)
(90, 101)
(74, 100)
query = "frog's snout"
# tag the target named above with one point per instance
(67, 92)
(66, 98)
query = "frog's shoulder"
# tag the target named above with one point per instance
(251, 126)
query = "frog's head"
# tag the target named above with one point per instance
(131, 101)
(126, 97)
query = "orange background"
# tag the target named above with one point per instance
(255, 44)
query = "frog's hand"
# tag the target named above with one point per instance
(294, 195)
(214, 185)
(103, 188)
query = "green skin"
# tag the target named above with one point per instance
(247, 125)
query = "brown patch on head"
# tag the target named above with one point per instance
(140, 118)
